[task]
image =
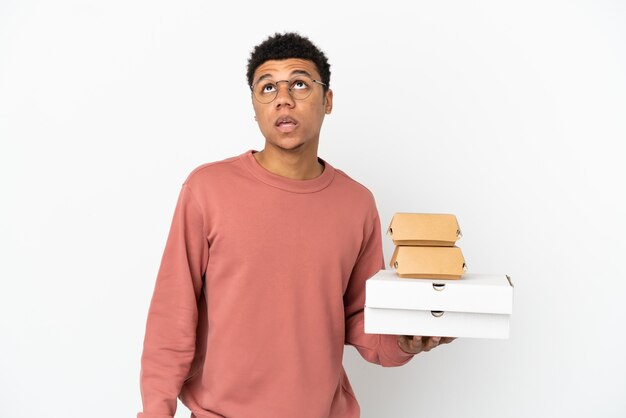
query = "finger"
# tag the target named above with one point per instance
(402, 342)
(416, 343)
(446, 340)
(406, 343)
(432, 343)
(410, 344)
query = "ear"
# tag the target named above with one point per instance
(328, 102)
(253, 106)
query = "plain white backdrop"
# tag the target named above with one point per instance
(511, 115)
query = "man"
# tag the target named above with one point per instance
(262, 280)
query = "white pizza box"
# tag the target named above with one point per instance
(476, 305)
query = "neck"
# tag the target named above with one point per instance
(293, 164)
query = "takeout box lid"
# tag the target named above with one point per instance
(428, 262)
(433, 229)
(473, 293)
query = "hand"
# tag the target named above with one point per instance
(416, 344)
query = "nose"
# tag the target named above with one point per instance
(283, 95)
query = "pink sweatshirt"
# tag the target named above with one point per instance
(261, 284)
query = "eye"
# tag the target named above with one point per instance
(268, 88)
(299, 85)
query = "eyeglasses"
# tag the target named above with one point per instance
(300, 87)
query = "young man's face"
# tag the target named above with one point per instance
(285, 122)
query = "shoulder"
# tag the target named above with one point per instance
(352, 186)
(359, 198)
(211, 171)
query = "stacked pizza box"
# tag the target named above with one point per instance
(425, 246)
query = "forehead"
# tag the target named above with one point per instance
(283, 68)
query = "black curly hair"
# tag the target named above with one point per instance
(288, 45)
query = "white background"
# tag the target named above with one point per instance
(510, 115)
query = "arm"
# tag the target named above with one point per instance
(378, 349)
(170, 338)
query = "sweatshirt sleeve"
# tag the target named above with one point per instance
(169, 342)
(375, 348)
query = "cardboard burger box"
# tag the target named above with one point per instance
(428, 262)
(428, 229)
(477, 306)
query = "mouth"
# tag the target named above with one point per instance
(286, 124)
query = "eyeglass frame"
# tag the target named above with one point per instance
(288, 88)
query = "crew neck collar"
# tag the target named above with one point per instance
(296, 186)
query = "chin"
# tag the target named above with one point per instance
(291, 148)
(289, 145)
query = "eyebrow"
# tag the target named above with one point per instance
(294, 72)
